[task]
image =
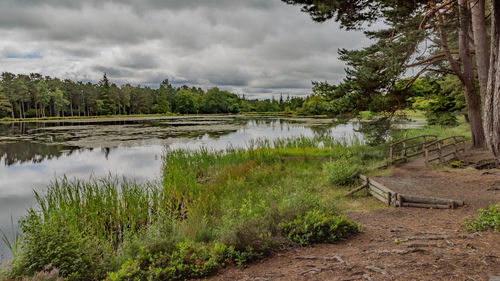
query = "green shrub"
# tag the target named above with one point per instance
(315, 226)
(486, 220)
(441, 119)
(341, 171)
(186, 261)
(50, 243)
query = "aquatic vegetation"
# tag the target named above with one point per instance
(211, 208)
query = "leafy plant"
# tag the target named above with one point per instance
(316, 226)
(186, 261)
(51, 243)
(488, 219)
(342, 171)
(456, 163)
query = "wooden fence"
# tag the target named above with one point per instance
(410, 147)
(440, 147)
(391, 198)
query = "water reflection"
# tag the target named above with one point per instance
(34, 154)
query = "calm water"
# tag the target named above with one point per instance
(34, 154)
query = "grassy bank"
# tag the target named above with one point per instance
(212, 208)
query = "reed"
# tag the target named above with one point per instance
(106, 208)
(237, 196)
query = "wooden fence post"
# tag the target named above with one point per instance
(439, 152)
(405, 151)
(455, 146)
(390, 154)
(426, 156)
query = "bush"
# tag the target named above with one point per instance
(441, 119)
(341, 172)
(49, 243)
(186, 261)
(486, 220)
(316, 227)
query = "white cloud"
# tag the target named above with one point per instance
(256, 47)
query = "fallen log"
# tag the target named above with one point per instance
(431, 200)
(426, 206)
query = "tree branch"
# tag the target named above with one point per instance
(438, 57)
(446, 49)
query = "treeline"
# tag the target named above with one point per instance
(34, 95)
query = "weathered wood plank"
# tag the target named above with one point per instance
(378, 196)
(427, 206)
(364, 185)
(380, 186)
(413, 138)
(431, 200)
(378, 191)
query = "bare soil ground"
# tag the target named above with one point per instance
(402, 243)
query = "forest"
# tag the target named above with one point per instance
(34, 96)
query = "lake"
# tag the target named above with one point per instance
(32, 154)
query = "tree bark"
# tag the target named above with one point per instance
(494, 82)
(466, 75)
(471, 96)
(477, 8)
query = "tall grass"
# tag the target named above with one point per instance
(106, 208)
(239, 197)
(14, 240)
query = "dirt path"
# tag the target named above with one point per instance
(403, 243)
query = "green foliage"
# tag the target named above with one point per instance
(48, 242)
(13, 240)
(216, 101)
(315, 227)
(28, 96)
(442, 99)
(456, 164)
(185, 261)
(213, 208)
(314, 105)
(488, 219)
(186, 102)
(342, 171)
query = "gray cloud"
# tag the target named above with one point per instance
(253, 47)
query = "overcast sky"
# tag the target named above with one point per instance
(252, 47)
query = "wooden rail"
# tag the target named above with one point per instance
(391, 198)
(440, 146)
(400, 150)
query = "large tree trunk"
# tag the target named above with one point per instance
(493, 92)
(483, 63)
(468, 80)
(480, 43)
